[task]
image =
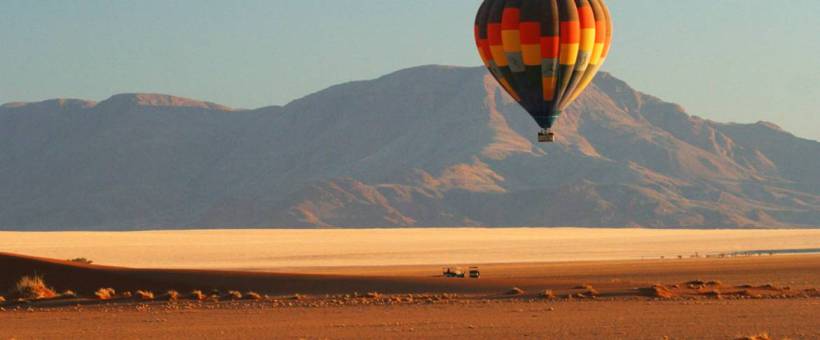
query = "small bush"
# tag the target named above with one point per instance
(144, 295)
(170, 295)
(105, 293)
(763, 336)
(515, 291)
(197, 295)
(82, 260)
(253, 296)
(33, 287)
(714, 293)
(658, 291)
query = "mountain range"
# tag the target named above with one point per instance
(426, 146)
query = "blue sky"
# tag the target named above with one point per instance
(727, 60)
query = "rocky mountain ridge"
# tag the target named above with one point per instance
(427, 146)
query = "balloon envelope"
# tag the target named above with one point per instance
(544, 53)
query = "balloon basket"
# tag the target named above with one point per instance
(546, 136)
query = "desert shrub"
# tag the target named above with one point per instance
(658, 291)
(170, 295)
(253, 296)
(515, 291)
(762, 336)
(105, 293)
(548, 294)
(233, 295)
(82, 260)
(197, 295)
(713, 293)
(33, 287)
(144, 295)
(126, 294)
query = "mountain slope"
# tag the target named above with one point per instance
(427, 146)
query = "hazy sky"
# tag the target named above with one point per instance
(726, 60)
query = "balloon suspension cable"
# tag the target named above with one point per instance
(546, 136)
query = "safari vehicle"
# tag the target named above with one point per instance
(453, 272)
(474, 273)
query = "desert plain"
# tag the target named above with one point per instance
(562, 283)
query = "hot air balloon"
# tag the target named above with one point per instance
(544, 53)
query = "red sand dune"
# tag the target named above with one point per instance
(749, 304)
(88, 278)
(616, 278)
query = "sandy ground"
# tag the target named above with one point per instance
(605, 284)
(282, 249)
(772, 294)
(792, 319)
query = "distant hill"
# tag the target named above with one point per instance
(427, 146)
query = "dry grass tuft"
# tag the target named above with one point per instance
(170, 295)
(547, 294)
(33, 287)
(68, 294)
(253, 296)
(81, 260)
(589, 290)
(197, 295)
(515, 291)
(658, 291)
(748, 293)
(105, 293)
(762, 336)
(373, 295)
(233, 295)
(127, 294)
(144, 295)
(714, 293)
